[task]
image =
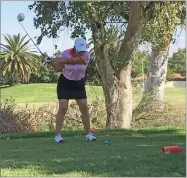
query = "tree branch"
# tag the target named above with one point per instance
(118, 22)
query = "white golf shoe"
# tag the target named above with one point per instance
(90, 137)
(59, 139)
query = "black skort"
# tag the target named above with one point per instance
(71, 89)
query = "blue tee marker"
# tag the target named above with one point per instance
(106, 142)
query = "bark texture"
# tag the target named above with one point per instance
(157, 72)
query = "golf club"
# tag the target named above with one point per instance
(20, 18)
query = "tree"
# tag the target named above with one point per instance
(18, 58)
(58, 53)
(116, 35)
(114, 39)
(96, 16)
(44, 73)
(170, 74)
(92, 73)
(159, 32)
(177, 63)
(140, 64)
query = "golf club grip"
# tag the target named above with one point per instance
(31, 39)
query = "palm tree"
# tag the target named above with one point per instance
(18, 59)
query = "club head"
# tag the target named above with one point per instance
(20, 17)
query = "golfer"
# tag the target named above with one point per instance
(71, 85)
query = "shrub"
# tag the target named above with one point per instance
(148, 114)
(8, 118)
(24, 119)
(43, 118)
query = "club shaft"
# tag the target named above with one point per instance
(31, 39)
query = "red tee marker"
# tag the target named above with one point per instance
(171, 149)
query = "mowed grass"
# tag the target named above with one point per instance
(175, 95)
(130, 153)
(41, 93)
(44, 93)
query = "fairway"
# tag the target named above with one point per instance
(38, 93)
(129, 153)
(42, 93)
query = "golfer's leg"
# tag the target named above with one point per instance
(63, 106)
(83, 106)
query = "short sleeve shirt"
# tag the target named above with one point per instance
(75, 71)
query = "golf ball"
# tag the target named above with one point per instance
(21, 17)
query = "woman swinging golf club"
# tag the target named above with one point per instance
(71, 84)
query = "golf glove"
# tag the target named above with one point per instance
(47, 60)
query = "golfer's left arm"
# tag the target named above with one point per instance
(74, 60)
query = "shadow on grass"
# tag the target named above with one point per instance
(127, 132)
(123, 158)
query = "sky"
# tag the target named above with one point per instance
(10, 25)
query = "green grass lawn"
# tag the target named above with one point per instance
(42, 93)
(129, 153)
(175, 94)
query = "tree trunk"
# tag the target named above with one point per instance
(152, 101)
(126, 54)
(111, 100)
(157, 73)
(109, 83)
(117, 84)
(11, 79)
(125, 98)
(118, 93)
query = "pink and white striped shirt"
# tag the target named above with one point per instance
(75, 71)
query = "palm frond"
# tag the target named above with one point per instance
(18, 56)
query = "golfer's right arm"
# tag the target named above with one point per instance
(56, 66)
